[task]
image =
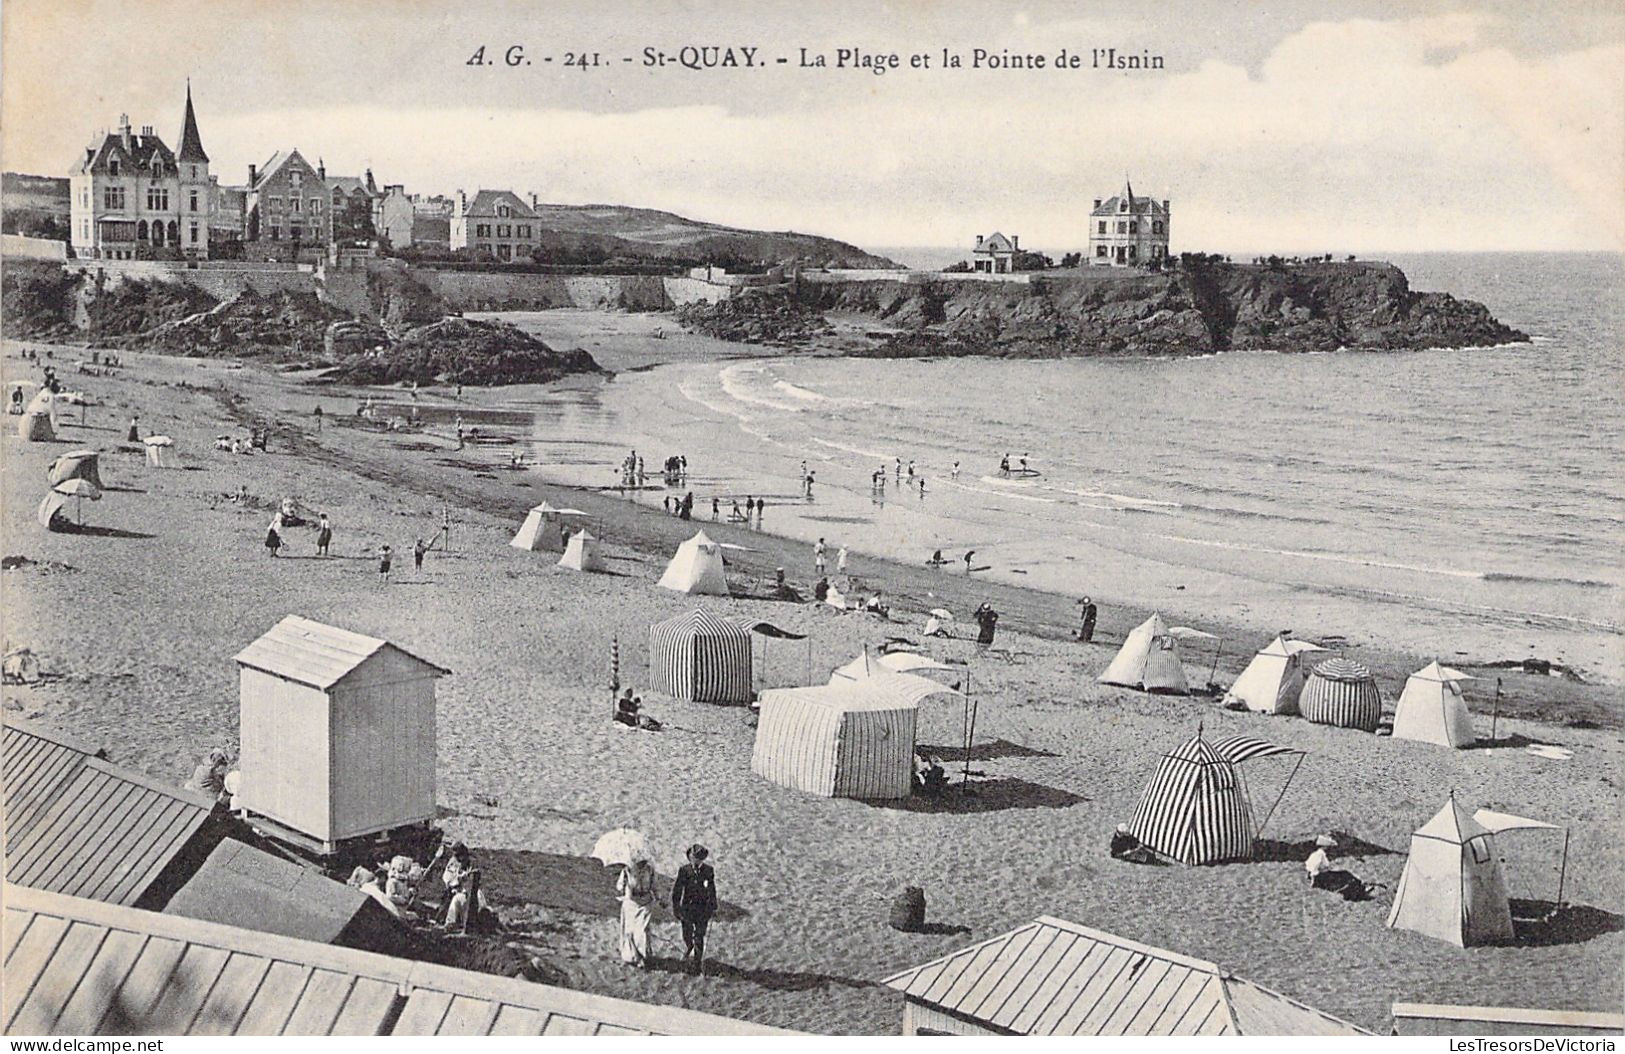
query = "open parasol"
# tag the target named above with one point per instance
(623, 845)
(79, 490)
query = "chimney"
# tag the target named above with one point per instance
(372, 185)
(1097, 203)
(146, 130)
(252, 171)
(1165, 206)
(321, 170)
(1015, 242)
(979, 240)
(124, 129)
(535, 202)
(462, 203)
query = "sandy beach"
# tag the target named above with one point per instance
(136, 620)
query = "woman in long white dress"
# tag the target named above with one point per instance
(636, 887)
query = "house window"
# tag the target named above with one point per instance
(1100, 250)
(1122, 228)
(316, 205)
(194, 171)
(1156, 226)
(141, 231)
(112, 166)
(192, 200)
(482, 230)
(1122, 206)
(276, 233)
(504, 211)
(1131, 252)
(523, 230)
(1101, 229)
(193, 233)
(294, 179)
(1133, 227)
(504, 231)
(112, 197)
(293, 204)
(276, 204)
(158, 199)
(504, 252)
(295, 233)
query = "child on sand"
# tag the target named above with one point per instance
(418, 549)
(385, 555)
(273, 538)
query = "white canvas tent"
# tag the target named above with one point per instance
(848, 739)
(160, 452)
(1433, 710)
(1149, 659)
(1452, 887)
(1271, 682)
(697, 568)
(582, 553)
(1500, 822)
(545, 528)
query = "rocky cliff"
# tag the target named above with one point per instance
(1203, 307)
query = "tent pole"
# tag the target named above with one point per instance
(614, 674)
(969, 742)
(1281, 795)
(1562, 869)
(1495, 718)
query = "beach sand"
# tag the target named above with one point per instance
(138, 639)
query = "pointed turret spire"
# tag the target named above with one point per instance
(191, 143)
(1128, 191)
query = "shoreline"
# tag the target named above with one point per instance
(136, 624)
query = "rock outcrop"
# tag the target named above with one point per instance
(1202, 308)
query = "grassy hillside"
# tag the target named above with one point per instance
(34, 205)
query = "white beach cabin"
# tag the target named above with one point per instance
(1452, 887)
(582, 553)
(338, 732)
(1149, 660)
(697, 568)
(547, 528)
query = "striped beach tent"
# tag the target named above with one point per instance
(848, 739)
(700, 657)
(1343, 693)
(1195, 807)
(1149, 660)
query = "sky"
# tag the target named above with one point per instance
(1292, 127)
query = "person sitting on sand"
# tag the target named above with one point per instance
(929, 776)
(821, 590)
(210, 775)
(1320, 861)
(401, 883)
(458, 879)
(367, 881)
(875, 606)
(1125, 846)
(626, 709)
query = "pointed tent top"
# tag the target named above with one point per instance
(191, 150)
(1434, 672)
(1288, 647)
(1452, 823)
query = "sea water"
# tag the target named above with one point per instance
(1469, 502)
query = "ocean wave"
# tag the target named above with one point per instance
(860, 451)
(1125, 499)
(1581, 583)
(996, 493)
(1356, 561)
(734, 383)
(798, 392)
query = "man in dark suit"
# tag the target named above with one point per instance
(694, 901)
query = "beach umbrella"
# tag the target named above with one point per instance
(622, 846)
(79, 490)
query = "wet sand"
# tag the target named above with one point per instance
(174, 580)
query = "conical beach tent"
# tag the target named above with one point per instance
(77, 464)
(1433, 710)
(697, 568)
(582, 553)
(1195, 808)
(700, 657)
(1343, 693)
(1272, 682)
(544, 528)
(36, 428)
(1452, 887)
(1148, 659)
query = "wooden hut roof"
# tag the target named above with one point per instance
(310, 652)
(78, 824)
(79, 967)
(1053, 977)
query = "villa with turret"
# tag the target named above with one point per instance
(1127, 230)
(133, 197)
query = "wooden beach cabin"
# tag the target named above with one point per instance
(1052, 977)
(338, 734)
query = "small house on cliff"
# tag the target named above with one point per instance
(995, 254)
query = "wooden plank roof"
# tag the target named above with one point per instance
(313, 653)
(1053, 977)
(78, 824)
(78, 966)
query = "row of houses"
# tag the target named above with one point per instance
(135, 198)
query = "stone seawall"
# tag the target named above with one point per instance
(483, 291)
